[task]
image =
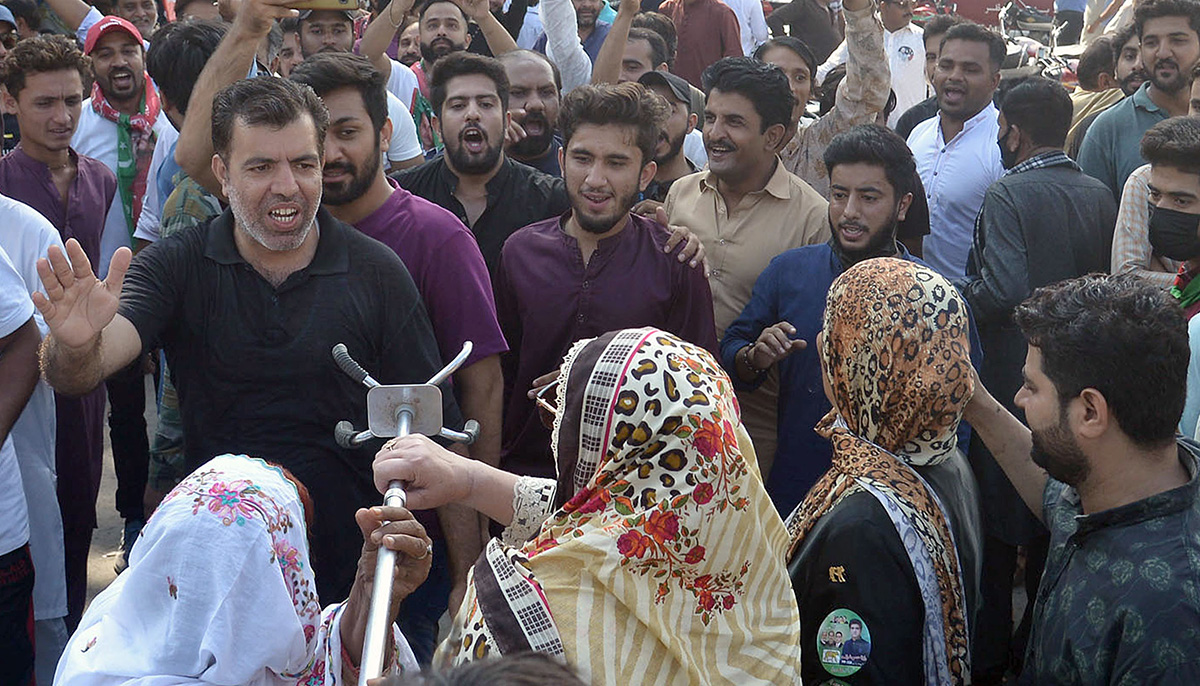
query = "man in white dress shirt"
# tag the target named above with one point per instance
(956, 151)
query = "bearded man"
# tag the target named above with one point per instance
(872, 179)
(597, 267)
(1170, 47)
(289, 281)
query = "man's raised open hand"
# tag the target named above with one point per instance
(77, 306)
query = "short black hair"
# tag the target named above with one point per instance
(326, 72)
(1120, 335)
(1174, 142)
(878, 145)
(1041, 107)
(627, 104)
(827, 93)
(463, 63)
(289, 25)
(970, 31)
(1099, 58)
(430, 3)
(795, 45)
(658, 45)
(27, 10)
(1120, 38)
(856, 622)
(940, 24)
(513, 55)
(265, 101)
(1156, 9)
(764, 85)
(178, 52)
(663, 26)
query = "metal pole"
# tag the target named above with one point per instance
(378, 624)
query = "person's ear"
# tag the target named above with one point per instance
(1107, 82)
(10, 103)
(648, 172)
(776, 137)
(385, 136)
(221, 171)
(902, 207)
(693, 120)
(1089, 415)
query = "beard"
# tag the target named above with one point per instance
(533, 146)
(438, 48)
(254, 222)
(599, 224)
(675, 146)
(361, 178)
(114, 94)
(1137, 76)
(1170, 85)
(1056, 451)
(469, 163)
(876, 241)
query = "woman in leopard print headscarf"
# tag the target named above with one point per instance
(876, 536)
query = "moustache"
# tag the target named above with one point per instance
(339, 167)
(1168, 62)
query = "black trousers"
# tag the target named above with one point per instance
(16, 618)
(997, 649)
(127, 433)
(1072, 23)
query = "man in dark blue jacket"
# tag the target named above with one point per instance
(872, 183)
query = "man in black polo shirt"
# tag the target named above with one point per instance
(1100, 465)
(248, 308)
(490, 192)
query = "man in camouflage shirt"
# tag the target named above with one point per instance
(1100, 465)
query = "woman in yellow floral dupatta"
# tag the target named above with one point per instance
(657, 558)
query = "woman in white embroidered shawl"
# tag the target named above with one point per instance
(219, 590)
(656, 558)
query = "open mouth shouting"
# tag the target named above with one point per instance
(953, 95)
(284, 217)
(121, 79)
(474, 140)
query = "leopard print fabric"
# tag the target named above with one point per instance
(897, 358)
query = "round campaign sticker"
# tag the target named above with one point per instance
(843, 642)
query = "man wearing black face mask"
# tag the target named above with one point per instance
(1042, 222)
(1173, 149)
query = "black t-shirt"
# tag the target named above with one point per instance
(253, 365)
(518, 195)
(854, 565)
(926, 109)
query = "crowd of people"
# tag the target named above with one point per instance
(802, 340)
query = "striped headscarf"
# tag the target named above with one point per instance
(663, 562)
